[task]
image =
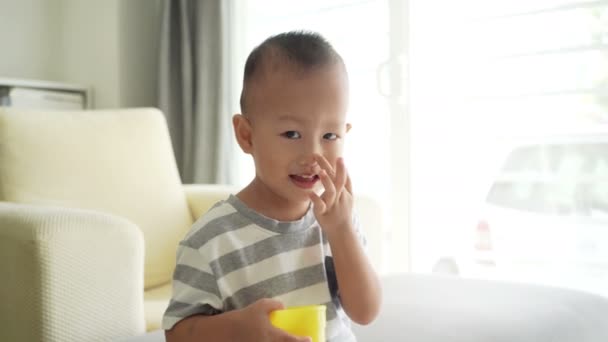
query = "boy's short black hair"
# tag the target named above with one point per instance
(301, 50)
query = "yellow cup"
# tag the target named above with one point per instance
(301, 321)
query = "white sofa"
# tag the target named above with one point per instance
(91, 211)
(432, 308)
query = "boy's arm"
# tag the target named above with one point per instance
(359, 286)
(213, 328)
(250, 324)
(360, 291)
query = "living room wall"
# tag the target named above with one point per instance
(108, 45)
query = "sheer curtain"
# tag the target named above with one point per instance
(195, 87)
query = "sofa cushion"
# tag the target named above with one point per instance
(156, 301)
(115, 161)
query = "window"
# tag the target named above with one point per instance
(446, 88)
(485, 74)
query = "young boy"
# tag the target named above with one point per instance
(277, 243)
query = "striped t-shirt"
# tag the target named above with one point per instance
(234, 256)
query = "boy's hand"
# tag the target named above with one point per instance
(254, 324)
(333, 209)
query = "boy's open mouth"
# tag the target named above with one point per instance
(304, 181)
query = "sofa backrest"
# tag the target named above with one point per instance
(116, 161)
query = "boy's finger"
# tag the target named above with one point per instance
(318, 203)
(348, 185)
(325, 165)
(269, 304)
(285, 337)
(329, 195)
(340, 175)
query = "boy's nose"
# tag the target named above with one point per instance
(309, 153)
(307, 160)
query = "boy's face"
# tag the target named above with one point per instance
(295, 119)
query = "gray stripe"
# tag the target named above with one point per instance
(197, 279)
(276, 286)
(182, 310)
(215, 227)
(263, 250)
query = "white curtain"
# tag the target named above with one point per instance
(195, 87)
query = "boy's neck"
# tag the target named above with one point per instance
(260, 198)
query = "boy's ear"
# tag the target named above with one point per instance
(348, 127)
(242, 131)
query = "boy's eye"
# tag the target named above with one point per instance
(291, 135)
(330, 136)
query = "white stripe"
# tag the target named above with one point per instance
(170, 321)
(187, 294)
(335, 328)
(221, 210)
(327, 249)
(234, 240)
(191, 257)
(277, 265)
(311, 295)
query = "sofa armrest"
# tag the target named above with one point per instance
(434, 308)
(69, 275)
(202, 196)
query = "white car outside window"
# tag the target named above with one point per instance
(545, 216)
